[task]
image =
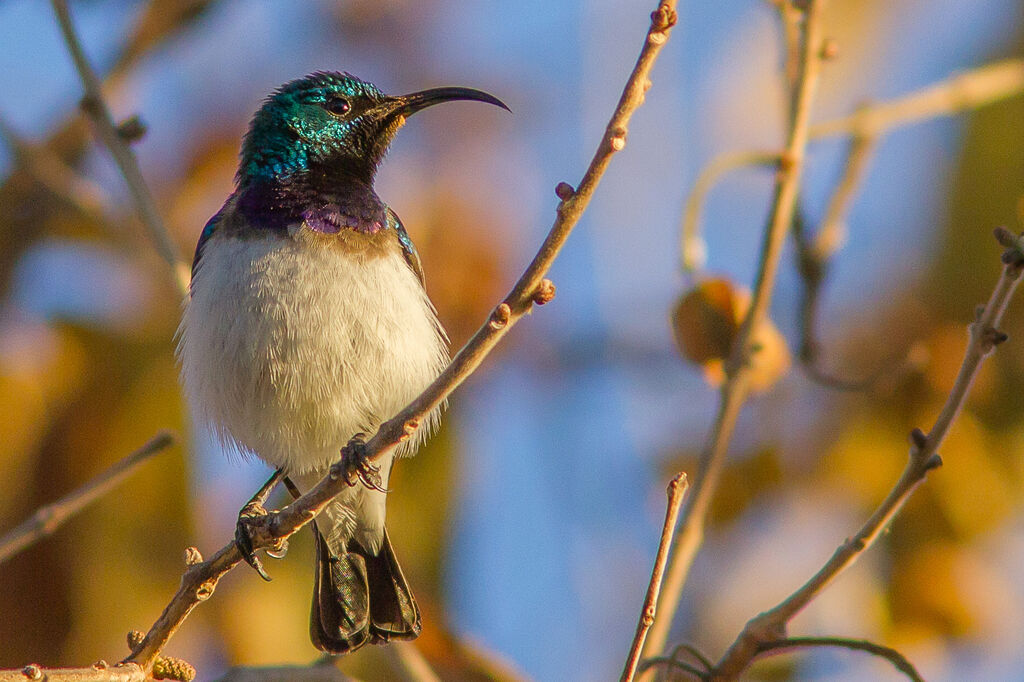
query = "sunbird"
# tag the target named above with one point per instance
(308, 325)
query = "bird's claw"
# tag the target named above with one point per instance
(356, 461)
(250, 515)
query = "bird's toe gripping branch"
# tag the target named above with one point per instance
(251, 515)
(356, 462)
(251, 518)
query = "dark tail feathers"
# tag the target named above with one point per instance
(360, 598)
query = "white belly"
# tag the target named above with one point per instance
(288, 347)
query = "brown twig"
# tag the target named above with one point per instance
(46, 520)
(672, 663)
(898, 660)
(51, 172)
(97, 110)
(693, 251)
(201, 578)
(735, 388)
(412, 662)
(98, 672)
(970, 90)
(984, 337)
(676, 492)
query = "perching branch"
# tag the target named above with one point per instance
(676, 492)
(46, 520)
(98, 672)
(898, 660)
(735, 388)
(984, 337)
(201, 577)
(96, 108)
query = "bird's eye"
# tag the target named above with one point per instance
(337, 106)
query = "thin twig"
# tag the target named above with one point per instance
(96, 108)
(676, 491)
(964, 91)
(984, 337)
(411, 661)
(50, 171)
(973, 89)
(46, 520)
(735, 388)
(671, 662)
(693, 651)
(693, 251)
(99, 672)
(201, 578)
(898, 660)
(814, 256)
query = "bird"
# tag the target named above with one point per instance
(307, 325)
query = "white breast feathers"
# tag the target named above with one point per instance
(292, 344)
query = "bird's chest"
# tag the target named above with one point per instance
(291, 344)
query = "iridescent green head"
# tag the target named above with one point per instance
(333, 123)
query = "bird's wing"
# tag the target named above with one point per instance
(408, 250)
(204, 236)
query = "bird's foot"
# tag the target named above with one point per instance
(250, 518)
(354, 460)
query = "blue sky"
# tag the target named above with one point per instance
(558, 507)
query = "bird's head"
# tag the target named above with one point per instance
(333, 123)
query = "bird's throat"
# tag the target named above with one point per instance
(326, 203)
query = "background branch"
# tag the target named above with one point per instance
(676, 491)
(201, 578)
(98, 672)
(969, 90)
(96, 108)
(984, 336)
(972, 89)
(735, 388)
(898, 660)
(46, 520)
(51, 172)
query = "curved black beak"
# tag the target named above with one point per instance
(407, 105)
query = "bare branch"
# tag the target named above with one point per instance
(412, 663)
(970, 90)
(201, 578)
(676, 492)
(671, 662)
(898, 660)
(984, 336)
(693, 251)
(98, 672)
(735, 388)
(46, 520)
(51, 172)
(96, 108)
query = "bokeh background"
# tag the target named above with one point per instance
(528, 526)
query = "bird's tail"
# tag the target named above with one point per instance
(359, 597)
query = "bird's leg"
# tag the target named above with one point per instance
(296, 494)
(292, 488)
(249, 515)
(354, 459)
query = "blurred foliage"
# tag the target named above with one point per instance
(78, 394)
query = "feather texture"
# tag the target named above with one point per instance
(295, 341)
